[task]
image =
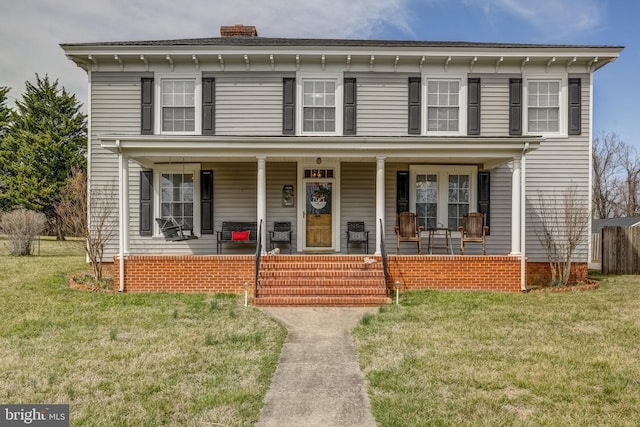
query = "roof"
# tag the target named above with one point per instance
(598, 224)
(267, 41)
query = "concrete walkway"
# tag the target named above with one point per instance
(318, 381)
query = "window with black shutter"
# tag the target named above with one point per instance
(515, 106)
(208, 106)
(473, 107)
(575, 109)
(349, 106)
(414, 105)
(146, 103)
(289, 106)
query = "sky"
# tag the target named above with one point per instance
(32, 30)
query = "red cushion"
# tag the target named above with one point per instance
(240, 235)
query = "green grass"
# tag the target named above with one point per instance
(129, 359)
(488, 359)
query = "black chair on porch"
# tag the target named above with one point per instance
(357, 234)
(281, 234)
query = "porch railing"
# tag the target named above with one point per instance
(258, 255)
(383, 252)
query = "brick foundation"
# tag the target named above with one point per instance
(228, 273)
(467, 272)
(539, 273)
(192, 273)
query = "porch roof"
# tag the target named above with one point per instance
(487, 152)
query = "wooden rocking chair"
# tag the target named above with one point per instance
(473, 231)
(408, 230)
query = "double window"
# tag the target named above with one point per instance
(442, 195)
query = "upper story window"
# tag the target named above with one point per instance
(320, 97)
(180, 109)
(445, 109)
(544, 106)
(546, 109)
(178, 105)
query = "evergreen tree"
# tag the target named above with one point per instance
(47, 138)
(5, 114)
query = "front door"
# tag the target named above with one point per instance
(318, 214)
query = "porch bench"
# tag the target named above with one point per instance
(231, 233)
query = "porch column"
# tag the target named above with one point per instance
(123, 213)
(515, 207)
(379, 202)
(262, 200)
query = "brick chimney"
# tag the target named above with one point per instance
(238, 30)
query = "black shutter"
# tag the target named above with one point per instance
(208, 106)
(575, 111)
(484, 195)
(146, 102)
(349, 106)
(146, 203)
(414, 105)
(473, 107)
(402, 191)
(289, 106)
(515, 106)
(206, 201)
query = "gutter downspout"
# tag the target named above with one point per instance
(121, 216)
(523, 228)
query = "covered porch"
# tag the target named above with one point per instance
(362, 176)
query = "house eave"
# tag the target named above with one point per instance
(487, 152)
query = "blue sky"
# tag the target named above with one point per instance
(31, 30)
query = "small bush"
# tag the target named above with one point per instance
(21, 227)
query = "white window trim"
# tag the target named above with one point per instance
(563, 112)
(462, 103)
(339, 79)
(159, 169)
(197, 101)
(443, 172)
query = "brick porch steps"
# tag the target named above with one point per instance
(321, 280)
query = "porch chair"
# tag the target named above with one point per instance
(281, 234)
(474, 230)
(408, 230)
(174, 232)
(357, 234)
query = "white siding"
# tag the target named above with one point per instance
(382, 104)
(358, 194)
(249, 104)
(494, 105)
(115, 108)
(279, 175)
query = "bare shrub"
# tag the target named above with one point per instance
(563, 225)
(22, 226)
(75, 209)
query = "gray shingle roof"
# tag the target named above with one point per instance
(598, 224)
(266, 41)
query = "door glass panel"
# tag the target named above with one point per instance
(318, 214)
(427, 200)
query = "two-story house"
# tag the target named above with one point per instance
(317, 133)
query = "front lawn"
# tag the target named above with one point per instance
(476, 358)
(129, 359)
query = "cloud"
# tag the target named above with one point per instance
(31, 30)
(554, 19)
